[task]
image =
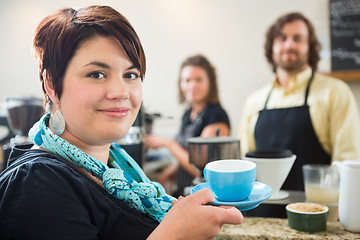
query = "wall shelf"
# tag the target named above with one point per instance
(347, 76)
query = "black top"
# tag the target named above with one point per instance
(212, 113)
(43, 196)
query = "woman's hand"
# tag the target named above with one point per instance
(152, 141)
(169, 174)
(190, 218)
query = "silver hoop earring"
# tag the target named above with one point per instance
(58, 122)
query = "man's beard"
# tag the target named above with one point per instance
(293, 65)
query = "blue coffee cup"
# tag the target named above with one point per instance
(230, 180)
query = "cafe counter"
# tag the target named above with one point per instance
(277, 228)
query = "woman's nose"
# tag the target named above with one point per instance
(117, 88)
(191, 84)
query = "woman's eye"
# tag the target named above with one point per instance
(97, 75)
(131, 75)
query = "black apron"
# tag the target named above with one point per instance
(183, 178)
(291, 128)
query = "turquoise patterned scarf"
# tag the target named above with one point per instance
(125, 180)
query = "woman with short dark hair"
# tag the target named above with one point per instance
(75, 182)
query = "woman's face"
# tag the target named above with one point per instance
(194, 84)
(102, 93)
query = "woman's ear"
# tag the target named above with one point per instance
(50, 90)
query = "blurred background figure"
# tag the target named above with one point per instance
(313, 115)
(204, 117)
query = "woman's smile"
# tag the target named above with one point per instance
(115, 112)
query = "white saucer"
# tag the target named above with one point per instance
(279, 195)
(260, 193)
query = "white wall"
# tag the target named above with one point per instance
(229, 32)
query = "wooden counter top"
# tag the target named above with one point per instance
(277, 228)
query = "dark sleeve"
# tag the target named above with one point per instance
(38, 202)
(215, 114)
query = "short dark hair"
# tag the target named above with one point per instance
(59, 35)
(275, 30)
(201, 61)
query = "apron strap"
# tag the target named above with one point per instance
(267, 99)
(308, 87)
(306, 92)
(187, 130)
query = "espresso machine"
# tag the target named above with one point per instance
(5, 133)
(22, 113)
(133, 142)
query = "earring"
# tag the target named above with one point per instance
(58, 122)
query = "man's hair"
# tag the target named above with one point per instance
(275, 30)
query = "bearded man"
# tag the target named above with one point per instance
(313, 115)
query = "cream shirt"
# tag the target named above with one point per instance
(333, 111)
